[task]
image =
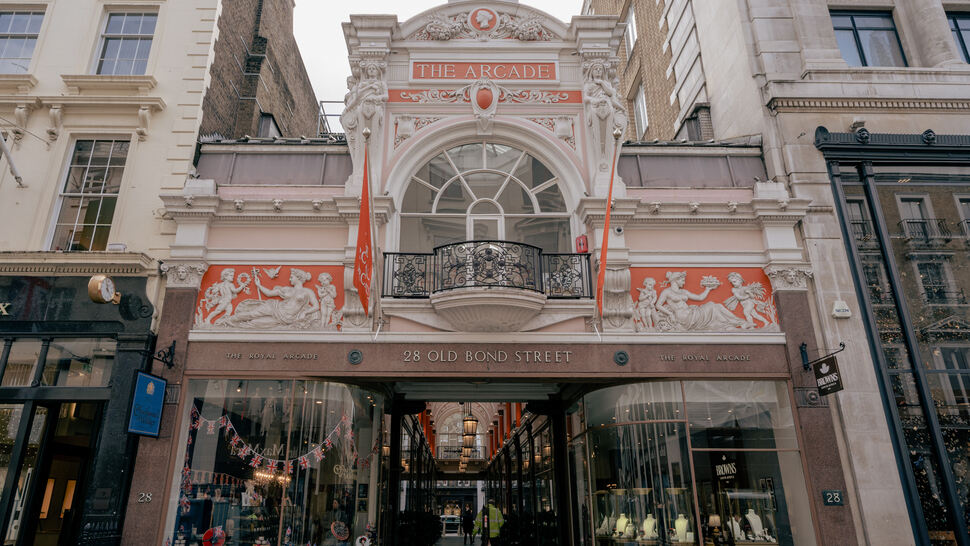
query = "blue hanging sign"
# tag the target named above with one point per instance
(146, 405)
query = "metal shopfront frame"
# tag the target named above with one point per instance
(863, 150)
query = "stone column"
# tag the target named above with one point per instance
(815, 33)
(926, 27)
(819, 435)
(153, 468)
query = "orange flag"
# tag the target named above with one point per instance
(364, 258)
(601, 274)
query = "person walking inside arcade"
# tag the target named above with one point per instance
(495, 522)
(467, 525)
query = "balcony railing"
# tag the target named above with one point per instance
(487, 263)
(926, 230)
(943, 294)
(862, 230)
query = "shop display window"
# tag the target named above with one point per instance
(692, 462)
(79, 362)
(275, 462)
(18, 370)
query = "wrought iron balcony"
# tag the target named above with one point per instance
(487, 264)
(943, 294)
(926, 230)
(862, 230)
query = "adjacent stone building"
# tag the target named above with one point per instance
(886, 84)
(101, 105)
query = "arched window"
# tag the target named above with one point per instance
(484, 191)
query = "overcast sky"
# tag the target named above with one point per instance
(317, 28)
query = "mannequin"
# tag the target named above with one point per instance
(603, 528)
(755, 522)
(680, 528)
(736, 528)
(621, 524)
(650, 527)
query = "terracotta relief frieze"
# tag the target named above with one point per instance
(261, 297)
(483, 24)
(702, 300)
(462, 95)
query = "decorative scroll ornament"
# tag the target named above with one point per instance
(295, 306)
(406, 126)
(464, 95)
(789, 277)
(562, 126)
(748, 307)
(617, 309)
(485, 94)
(484, 24)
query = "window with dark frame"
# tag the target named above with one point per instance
(868, 38)
(89, 195)
(960, 27)
(126, 43)
(18, 36)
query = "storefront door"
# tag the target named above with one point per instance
(50, 489)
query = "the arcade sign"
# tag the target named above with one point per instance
(471, 71)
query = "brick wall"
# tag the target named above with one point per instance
(648, 64)
(257, 65)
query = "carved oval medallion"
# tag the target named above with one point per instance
(483, 19)
(484, 98)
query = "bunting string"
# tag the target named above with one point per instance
(251, 455)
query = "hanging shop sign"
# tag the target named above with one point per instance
(471, 71)
(828, 378)
(146, 405)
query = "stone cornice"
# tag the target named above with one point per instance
(340, 210)
(17, 83)
(77, 263)
(795, 104)
(83, 83)
(757, 211)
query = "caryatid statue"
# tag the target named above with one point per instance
(364, 105)
(603, 108)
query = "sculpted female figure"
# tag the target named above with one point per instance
(707, 317)
(297, 307)
(603, 108)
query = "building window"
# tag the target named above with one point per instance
(18, 36)
(960, 27)
(640, 111)
(125, 44)
(963, 205)
(89, 195)
(868, 38)
(631, 32)
(484, 191)
(268, 127)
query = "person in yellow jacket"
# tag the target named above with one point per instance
(495, 521)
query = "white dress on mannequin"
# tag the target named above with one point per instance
(650, 527)
(621, 524)
(755, 522)
(680, 527)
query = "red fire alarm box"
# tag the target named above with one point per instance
(582, 244)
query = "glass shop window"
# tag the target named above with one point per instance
(273, 462)
(79, 362)
(20, 365)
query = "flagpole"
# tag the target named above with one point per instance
(601, 274)
(378, 260)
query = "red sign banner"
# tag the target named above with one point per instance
(437, 70)
(364, 257)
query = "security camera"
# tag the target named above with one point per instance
(618, 230)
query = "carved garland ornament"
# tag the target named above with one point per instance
(483, 24)
(463, 95)
(406, 126)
